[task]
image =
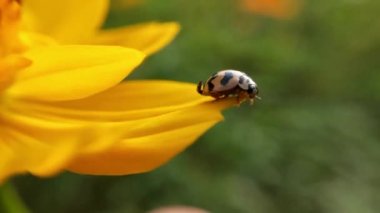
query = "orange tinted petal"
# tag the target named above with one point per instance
(9, 67)
(282, 9)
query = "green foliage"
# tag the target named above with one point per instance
(311, 145)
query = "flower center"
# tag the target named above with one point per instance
(9, 66)
(10, 17)
(10, 42)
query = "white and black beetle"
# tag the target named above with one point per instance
(227, 83)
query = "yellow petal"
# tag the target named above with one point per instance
(34, 145)
(73, 72)
(68, 21)
(32, 39)
(44, 146)
(141, 154)
(158, 119)
(148, 37)
(132, 100)
(151, 142)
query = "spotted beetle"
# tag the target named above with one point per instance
(227, 83)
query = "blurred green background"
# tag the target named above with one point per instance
(311, 145)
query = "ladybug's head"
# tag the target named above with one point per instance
(253, 90)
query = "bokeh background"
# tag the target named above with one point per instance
(311, 145)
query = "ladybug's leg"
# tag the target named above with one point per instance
(218, 95)
(241, 97)
(251, 101)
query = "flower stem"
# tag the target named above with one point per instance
(10, 201)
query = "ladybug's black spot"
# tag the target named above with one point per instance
(226, 78)
(241, 79)
(210, 86)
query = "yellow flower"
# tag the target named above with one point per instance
(79, 22)
(62, 107)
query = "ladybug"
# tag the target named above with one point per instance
(227, 83)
